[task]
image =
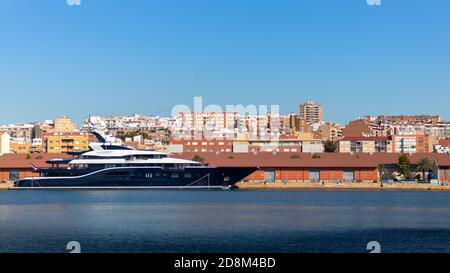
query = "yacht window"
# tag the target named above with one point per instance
(118, 173)
(175, 175)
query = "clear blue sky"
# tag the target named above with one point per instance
(123, 57)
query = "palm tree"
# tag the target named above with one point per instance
(423, 166)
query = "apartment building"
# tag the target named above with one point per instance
(207, 120)
(19, 132)
(200, 145)
(311, 112)
(63, 124)
(330, 131)
(227, 124)
(20, 147)
(132, 122)
(43, 128)
(363, 127)
(66, 142)
(413, 143)
(365, 145)
(296, 123)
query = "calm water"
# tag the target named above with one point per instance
(224, 221)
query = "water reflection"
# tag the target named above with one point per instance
(223, 221)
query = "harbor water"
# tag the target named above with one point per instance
(167, 221)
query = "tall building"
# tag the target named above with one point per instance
(311, 112)
(63, 124)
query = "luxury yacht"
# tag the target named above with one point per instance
(106, 165)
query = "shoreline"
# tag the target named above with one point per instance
(341, 186)
(320, 186)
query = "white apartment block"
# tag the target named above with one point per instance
(19, 132)
(405, 144)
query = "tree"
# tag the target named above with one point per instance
(404, 165)
(198, 158)
(330, 146)
(423, 166)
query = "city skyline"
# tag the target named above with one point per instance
(79, 122)
(97, 59)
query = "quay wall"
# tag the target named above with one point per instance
(342, 185)
(6, 185)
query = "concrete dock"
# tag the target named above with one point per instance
(6, 185)
(344, 185)
(324, 186)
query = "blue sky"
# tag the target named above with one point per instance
(123, 57)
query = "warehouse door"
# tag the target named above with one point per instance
(269, 176)
(349, 176)
(314, 175)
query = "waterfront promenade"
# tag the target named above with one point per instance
(344, 185)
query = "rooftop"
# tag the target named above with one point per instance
(308, 160)
(363, 138)
(21, 161)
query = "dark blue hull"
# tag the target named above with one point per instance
(133, 177)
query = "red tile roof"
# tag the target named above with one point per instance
(262, 159)
(326, 160)
(444, 142)
(362, 138)
(20, 161)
